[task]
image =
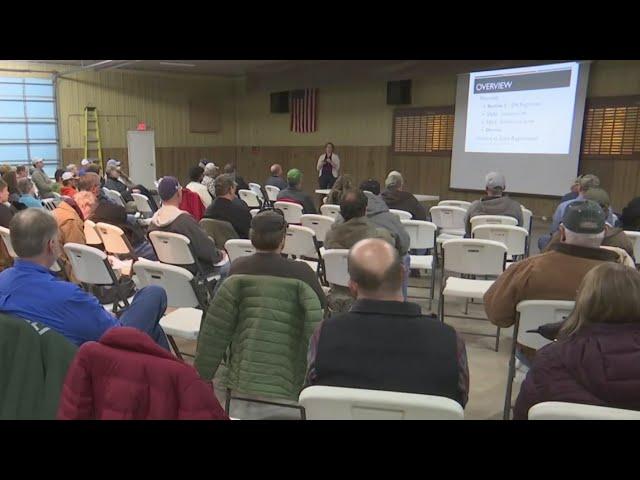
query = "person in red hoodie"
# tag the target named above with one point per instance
(595, 360)
(127, 376)
(68, 188)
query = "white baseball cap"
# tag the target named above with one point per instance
(37, 160)
(67, 176)
(85, 162)
(112, 162)
(495, 180)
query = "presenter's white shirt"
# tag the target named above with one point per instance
(336, 164)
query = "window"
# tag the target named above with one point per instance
(612, 128)
(28, 126)
(423, 130)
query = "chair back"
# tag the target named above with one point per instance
(421, 234)
(237, 248)
(401, 214)
(514, 238)
(176, 281)
(142, 203)
(272, 192)
(335, 264)
(172, 248)
(339, 403)
(492, 219)
(56, 195)
(527, 218)
(635, 239)
(113, 195)
(89, 264)
(330, 210)
(320, 224)
(454, 203)
(448, 218)
(292, 211)
(257, 189)
(114, 240)
(49, 203)
(534, 313)
(250, 198)
(301, 242)
(6, 238)
(219, 230)
(577, 411)
(474, 257)
(91, 234)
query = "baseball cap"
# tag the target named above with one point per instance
(168, 187)
(269, 221)
(598, 195)
(112, 162)
(495, 180)
(294, 176)
(584, 216)
(36, 160)
(67, 176)
(85, 162)
(588, 181)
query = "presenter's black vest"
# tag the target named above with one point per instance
(383, 345)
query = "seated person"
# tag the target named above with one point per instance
(553, 275)
(169, 218)
(595, 359)
(228, 207)
(41, 179)
(27, 194)
(573, 194)
(68, 188)
(11, 179)
(383, 342)
(73, 169)
(494, 203)
(21, 172)
(230, 168)
(293, 193)
(113, 183)
(57, 184)
(397, 198)
(268, 234)
(343, 183)
(196, 174)
(276, 179)
(631, 215)
(7, 211)
(64, 306)
(210, 174)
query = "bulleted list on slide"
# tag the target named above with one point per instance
(527, 110)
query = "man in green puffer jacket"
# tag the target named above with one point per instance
(266, 323)
(34, 361)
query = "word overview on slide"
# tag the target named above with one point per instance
(522, 110)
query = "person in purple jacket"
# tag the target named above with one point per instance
(596, 359)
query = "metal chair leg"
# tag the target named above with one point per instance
(498, 339)
(227, 402)
(172, 342)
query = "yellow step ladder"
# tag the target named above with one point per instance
(92, 145)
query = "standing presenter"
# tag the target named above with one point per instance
(328, 167)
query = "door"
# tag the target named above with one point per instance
(141, 146)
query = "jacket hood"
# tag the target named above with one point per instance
(375, 204)
(495, 205)
(129, 338)
(166, 215)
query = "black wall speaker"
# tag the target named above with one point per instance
(280, 102)
(399, 92)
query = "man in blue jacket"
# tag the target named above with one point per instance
(31, 291)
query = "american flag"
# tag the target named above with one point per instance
(303, 110)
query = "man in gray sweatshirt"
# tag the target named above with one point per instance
(169, 218)
(41, 179)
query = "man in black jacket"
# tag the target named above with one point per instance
(397, 198)
(228, 207)
(384, 343)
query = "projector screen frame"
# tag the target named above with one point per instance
(588, 63)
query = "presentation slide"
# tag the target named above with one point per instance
(524, 110)
(523, 122)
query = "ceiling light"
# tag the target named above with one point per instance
(177, 64)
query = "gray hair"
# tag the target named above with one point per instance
(210, 169)
(223, 184)
(71, 167)
(589, 240)
(31, 230)
(394, 180)
(25, 186)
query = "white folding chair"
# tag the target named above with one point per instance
(339, 403)
(292, 211)
(50, 203)
(250, 198)
(142, 204)
(115, 196)
(422, 235)
(272, 192)
(470, 258)
(531, 314)
(330, 210)
(91, 234)
(257, 189)
(6, 238)
(238, 247)
(335, 265)
(302, 244)
(635, 238)
(116, 243)
(527, 222)
(320, 224)
(450, 222)
(182, 294)
(492, 220)
(91, 267)
(254, 212)
(56, 195)
(454, 203)
(514, 238)
(401, 214)
(577, 411)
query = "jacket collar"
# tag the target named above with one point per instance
(26, 265)
(585, 252)
(134, 340)
(386, 307)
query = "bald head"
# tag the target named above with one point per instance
(276, 170)
(375, 270)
